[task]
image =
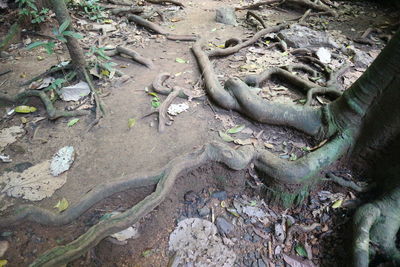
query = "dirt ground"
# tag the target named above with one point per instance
(111, 150)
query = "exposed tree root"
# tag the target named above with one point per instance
(51, 110)
(377, 223)
(345, 183)
(157, 29)
(214, 152)
(257, 17)
(158, 87)
(132, 54)
(126, 10)
(161, 2)
(231, 50)
(316, 5)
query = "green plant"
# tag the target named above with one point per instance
(89, 8)
(59, 34)
(29, 9)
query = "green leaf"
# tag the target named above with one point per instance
(64, 26)
(3, 263)
(72, 34)
(293, 157)
(180, 60)
(153, 94)
(155, 102)
(337, 204)
(35, 44)
(236, 129)
(72, 122)
(147, 253)
(61, 38)
(131, 122)
(225, 137)
(62, 204)
(301, 251)
(25, 109)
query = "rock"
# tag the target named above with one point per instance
(220, 195)
(226, 15)
(204, 211)
(4, 54)
(299, 36)
(224, 226)
(279, 232)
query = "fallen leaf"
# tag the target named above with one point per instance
(131, 122)
(268, 145)
(10, 135)
(72, 122)
(147, 253)
(24, 120)
(337, 204)
(34, 184)
(236, 129)
(300, 250)
(180, 60)
(3, 263)
(226, 137)
(25, 109)
(62, 204)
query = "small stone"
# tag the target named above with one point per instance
(220, 195)
(247, 237)
(204, 211)
(4, 54)
(255, 239)
(226, 15)
(224, 226)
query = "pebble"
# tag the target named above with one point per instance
(224, 226)
(220, 195)
(204, 211)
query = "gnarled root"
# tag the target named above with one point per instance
(157, 29)
(214, 152)
(377, 223)
(51, 110)
(132, 54)
(316, 5)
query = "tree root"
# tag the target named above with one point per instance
(345, 183)
(158, 87)
(218, 52)
(126, 10)
(161, 2)
(157, 29)
(316, 5)
(132, 54)
(214, 152)
(52, 112)
(377, 223)
(257, 17)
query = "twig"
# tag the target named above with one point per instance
(160, 2)
(258, 18)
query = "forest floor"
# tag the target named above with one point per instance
(111, 149)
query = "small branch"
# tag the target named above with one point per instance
(157, 29)
(46, 73)
(163, 109)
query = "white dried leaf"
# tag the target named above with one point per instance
(75, 92)
(62, 160)
(175, 109)
(324, 55)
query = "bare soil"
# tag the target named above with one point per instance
(111, 150)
